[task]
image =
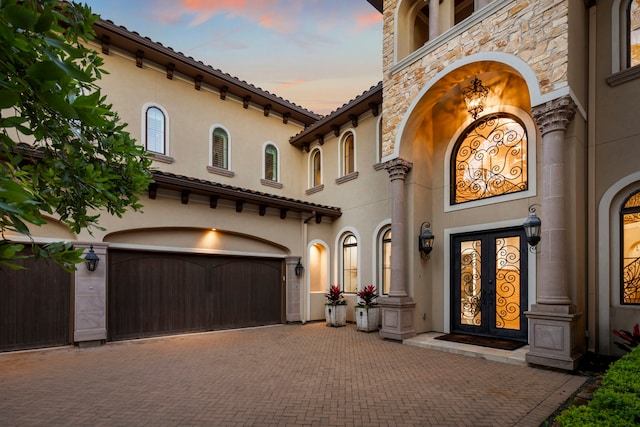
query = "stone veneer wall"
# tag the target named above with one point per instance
(534, 30)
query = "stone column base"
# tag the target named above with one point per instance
(397, 318)
(553, 337)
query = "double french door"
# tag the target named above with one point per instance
(489, 284)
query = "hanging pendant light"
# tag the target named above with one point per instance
(475, 97)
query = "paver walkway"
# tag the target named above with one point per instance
(297, 375)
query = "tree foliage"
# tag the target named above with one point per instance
(64, 152)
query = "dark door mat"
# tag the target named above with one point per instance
(501, 344)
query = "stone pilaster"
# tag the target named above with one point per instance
(398, 308)
(554, 339)
(294, 289)
(90, 307)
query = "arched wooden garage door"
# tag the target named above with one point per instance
(156, 293)
(35, 306)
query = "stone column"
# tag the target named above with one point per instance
(397, 309)
(552, 320)
(434, 16)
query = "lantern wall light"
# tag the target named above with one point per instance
(425, 240)
(299, 269)
(532, 227)
(91, 260)
(475, 97)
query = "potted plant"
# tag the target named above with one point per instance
(367, 311)
(335, 309)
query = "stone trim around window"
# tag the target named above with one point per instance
(314, 190)
(624, 76)
(160, 157)
(346, 178)
(378, 166)
(220, 171)
(272, 184)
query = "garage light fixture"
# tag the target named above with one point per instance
(91, 260)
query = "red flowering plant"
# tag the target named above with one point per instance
(335, 297)
(368, 296)
(632, 339)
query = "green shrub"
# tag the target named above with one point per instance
(616, 402)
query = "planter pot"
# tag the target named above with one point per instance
(367, 319)
(336, 315)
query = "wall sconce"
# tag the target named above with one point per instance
(475, 97)
(425, 240)
(91, 260)
(532, 227)
(299, 269)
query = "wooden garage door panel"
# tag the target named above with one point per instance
(248, 293)
(34, 306)
(154, 294)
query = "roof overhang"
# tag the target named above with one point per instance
(371, 100)
(216, 191)
(377, 4)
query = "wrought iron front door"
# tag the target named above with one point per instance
(489, 284)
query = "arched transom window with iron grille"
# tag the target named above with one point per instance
(489, 159)
(630, 250)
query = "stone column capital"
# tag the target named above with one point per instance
(398, 168)
(554, 115)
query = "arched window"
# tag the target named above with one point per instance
(385, 262)
(316, 168)
(348, 154)
(630, 250)
(155, 127)
(271, 163)
(489, 159)
(633, 33)
(220, 148)
(350, 264)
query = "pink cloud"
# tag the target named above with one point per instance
(274, 15)
(367, 20)
(290, 84)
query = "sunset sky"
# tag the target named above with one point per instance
(318, 54)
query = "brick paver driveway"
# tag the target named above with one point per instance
(281, 375)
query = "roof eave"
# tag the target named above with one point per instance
(235, 194)
(369, 101)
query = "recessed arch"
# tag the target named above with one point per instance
(488, 65)
(608, 279)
